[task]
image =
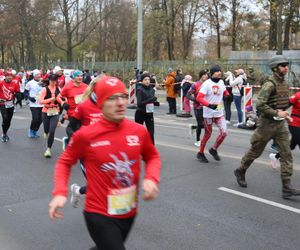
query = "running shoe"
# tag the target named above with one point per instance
(35, 134)
(201, 157)
(6, 138)
(227, 122)
(274, 162)
(214, 154)
(47, 153)
(3, 138)
(74, 195)
(30, 133)
(197, 143)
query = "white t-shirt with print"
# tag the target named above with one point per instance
(34, 90)
(213, 95)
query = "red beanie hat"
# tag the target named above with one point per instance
(106, 87)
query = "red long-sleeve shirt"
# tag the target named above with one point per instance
(112, 155)
(73, 94)
(87, 112)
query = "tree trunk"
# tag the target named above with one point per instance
(273, 25)
(234, 17)
(287, 28)
(2, 55)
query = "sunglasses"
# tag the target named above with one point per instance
(283, 65)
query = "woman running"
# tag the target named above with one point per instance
(49, 97)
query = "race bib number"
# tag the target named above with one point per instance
(78, 99)
(9, 104)
(220, 106)
(150, 108)
(121, 201)
(52, 111)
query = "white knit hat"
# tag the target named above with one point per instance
(36, 72)
(56, 69)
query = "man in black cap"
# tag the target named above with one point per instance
(211, 97)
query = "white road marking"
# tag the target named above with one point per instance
(194, 149)
(271, 203)
(20, 117)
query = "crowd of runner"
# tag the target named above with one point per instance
(110, 147)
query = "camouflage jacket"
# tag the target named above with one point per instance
(272, 96)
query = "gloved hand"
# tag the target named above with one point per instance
(65, 106)
(154, 99)
(212, 106)
(32, 99)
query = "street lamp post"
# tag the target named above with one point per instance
(140, 36)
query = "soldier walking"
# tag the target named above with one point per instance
(272, 101)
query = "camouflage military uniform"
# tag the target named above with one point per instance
(273, 95)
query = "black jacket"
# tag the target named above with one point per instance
(144, 95)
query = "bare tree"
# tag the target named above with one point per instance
(72, 23)
(216, 10)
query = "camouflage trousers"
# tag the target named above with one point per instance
(266, 130)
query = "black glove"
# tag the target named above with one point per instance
(154, 99)
(65, 106)
(32, 99)
(212, 106)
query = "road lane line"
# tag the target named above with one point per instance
(195, 150)
(268, 202)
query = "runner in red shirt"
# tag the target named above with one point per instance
(8, 89)
(111, 150)
(73, 92)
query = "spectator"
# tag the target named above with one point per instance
(170, 91)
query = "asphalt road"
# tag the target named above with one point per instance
(200, 205)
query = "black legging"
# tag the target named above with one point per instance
(7, 114)
(108, 233)
(199, 119)
(36, 113)
(141, 117)
(50, 124)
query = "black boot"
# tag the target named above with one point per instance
(287, 189)
(240, 177)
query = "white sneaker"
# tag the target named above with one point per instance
(227, 122)
(74, 195)
(197, 143)
(45, 136)
(191, 129)
(274, 162)
(47, 153)
(237, 124)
